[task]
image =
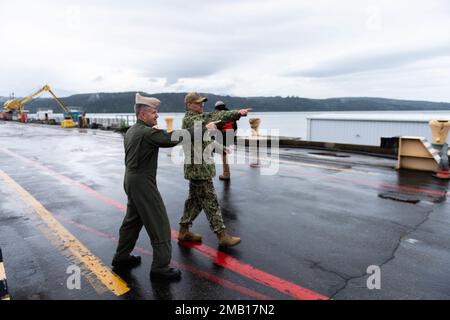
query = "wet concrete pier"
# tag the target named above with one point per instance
(310, 231)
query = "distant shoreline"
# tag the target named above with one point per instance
(292, 111)
(123, 102)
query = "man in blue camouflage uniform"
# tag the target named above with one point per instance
(199, 169)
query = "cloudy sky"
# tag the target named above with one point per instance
(315, 49)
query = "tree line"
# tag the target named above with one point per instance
(122, 102)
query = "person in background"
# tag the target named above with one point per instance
(84, 120)
(228, 130)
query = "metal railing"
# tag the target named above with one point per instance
(116, 121)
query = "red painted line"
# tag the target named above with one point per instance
(418, 190)
(226, 261)
(218, 280)
(202, 274)
(370, 184)
(218, 257)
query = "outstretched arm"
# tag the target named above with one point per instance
(164, 139)
(232, 115)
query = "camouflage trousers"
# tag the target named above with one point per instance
(202, 195)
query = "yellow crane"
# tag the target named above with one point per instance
(13, 104)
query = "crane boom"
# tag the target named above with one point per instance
(59, 102)
(12, 105)
(25, 100)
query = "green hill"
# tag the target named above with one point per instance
(122, 102)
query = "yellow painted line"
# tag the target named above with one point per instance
(2, 272)
(2, 279)
(108, 278)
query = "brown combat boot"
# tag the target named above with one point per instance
(226, 240)
(186, 235)
(226, 169)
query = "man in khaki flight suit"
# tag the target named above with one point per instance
(145, 206)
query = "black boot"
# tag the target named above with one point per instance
(128, 263)
(168, 274)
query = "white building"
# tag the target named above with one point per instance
(40, 114)
(369, 128)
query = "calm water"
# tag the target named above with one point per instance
(289, 124)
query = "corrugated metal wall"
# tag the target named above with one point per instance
(362, 131)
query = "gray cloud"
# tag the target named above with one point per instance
(185, 67)
(371, 61)
(232, 47)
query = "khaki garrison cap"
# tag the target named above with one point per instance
(149, 101)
